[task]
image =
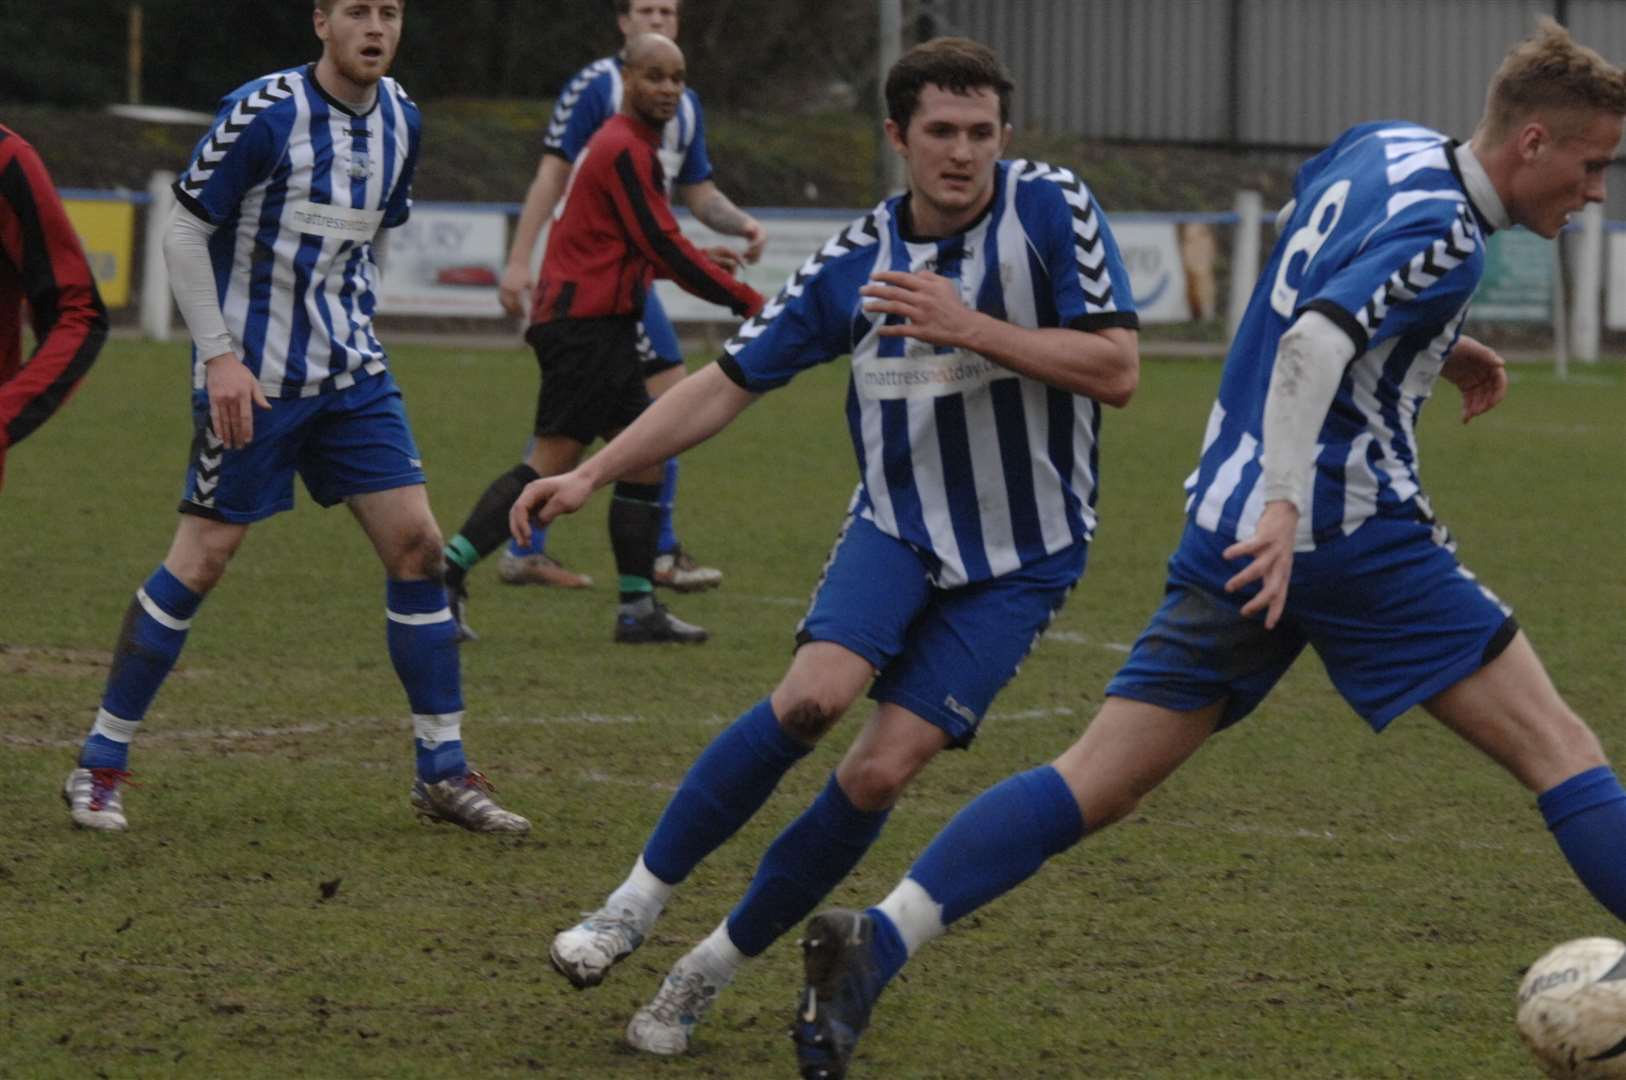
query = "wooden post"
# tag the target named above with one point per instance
(133, 89)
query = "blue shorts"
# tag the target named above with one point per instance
(1392, 614)
(658, 348)
(342, 443)
(942, 653)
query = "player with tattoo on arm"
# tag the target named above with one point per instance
(590, 98)
(614, 233)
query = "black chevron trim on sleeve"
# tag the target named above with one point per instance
(860, 234)
(239, 120)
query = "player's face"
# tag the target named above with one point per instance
(652, 88)
(650, 17)
(1563, 174)
(950, 148)
(359, 39)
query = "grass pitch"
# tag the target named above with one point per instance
(1303, 899)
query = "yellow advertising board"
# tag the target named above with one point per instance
(106, 228)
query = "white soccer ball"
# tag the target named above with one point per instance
(1572, 1010)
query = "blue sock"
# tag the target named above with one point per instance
(155, 626)
(538, 544)
(423, 648)
(993, 845)
(727, 783)
(801, 866)
(669, 479)
(539, 533)
(1587, 815)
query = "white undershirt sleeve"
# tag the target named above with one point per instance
(1285, 214)
(1310, 362)
(192, 280)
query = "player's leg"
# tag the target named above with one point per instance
(1401, 622)
(568, 417)
(635, 510)
(957, 651)
(486, 527)
(723, 789)
(224, 491)
(361, 452)
(995, 843)
(1198, 665)
(871, 588)
(530, 564)
(1510, 710)
(662, 358)
(150, 639)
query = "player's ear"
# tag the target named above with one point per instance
(319, 22)
(1532, 139)
(1004, 140)
(895, 135)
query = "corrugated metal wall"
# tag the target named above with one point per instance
(1261, 73)
(1303, 71)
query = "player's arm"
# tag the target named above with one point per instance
(717, 211)
(70, 322)
(694, 410)
(1310, 362)
(234, 391)
(1103, 364)
(648, 222)
(540, 199)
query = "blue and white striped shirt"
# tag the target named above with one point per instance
(981, 468)
(297, 186)
(594, 95)
(1385, 241)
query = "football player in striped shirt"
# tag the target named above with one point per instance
(271, 256)
(41, 262)
(988, 318)
(1307, 525)
(591, 97)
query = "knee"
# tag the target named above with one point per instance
(806, 718)
(875, 781)
(419, 556)
(200, 561)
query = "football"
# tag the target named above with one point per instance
(1572, 1010)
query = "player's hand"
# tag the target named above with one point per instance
(727, 258)
(514, 289)
(1480, 373)
(1271, 549)
(929, 304)
(545, 499)
(756, 238)
(234, 394)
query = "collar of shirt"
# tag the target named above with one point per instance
(651, 135)
(1481, 192)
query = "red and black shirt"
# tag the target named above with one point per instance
(40, 262)
(616, 233)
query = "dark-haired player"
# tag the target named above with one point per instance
(988, 318)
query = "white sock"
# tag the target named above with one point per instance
(717, 957)
(912, 910)
(643, 893)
